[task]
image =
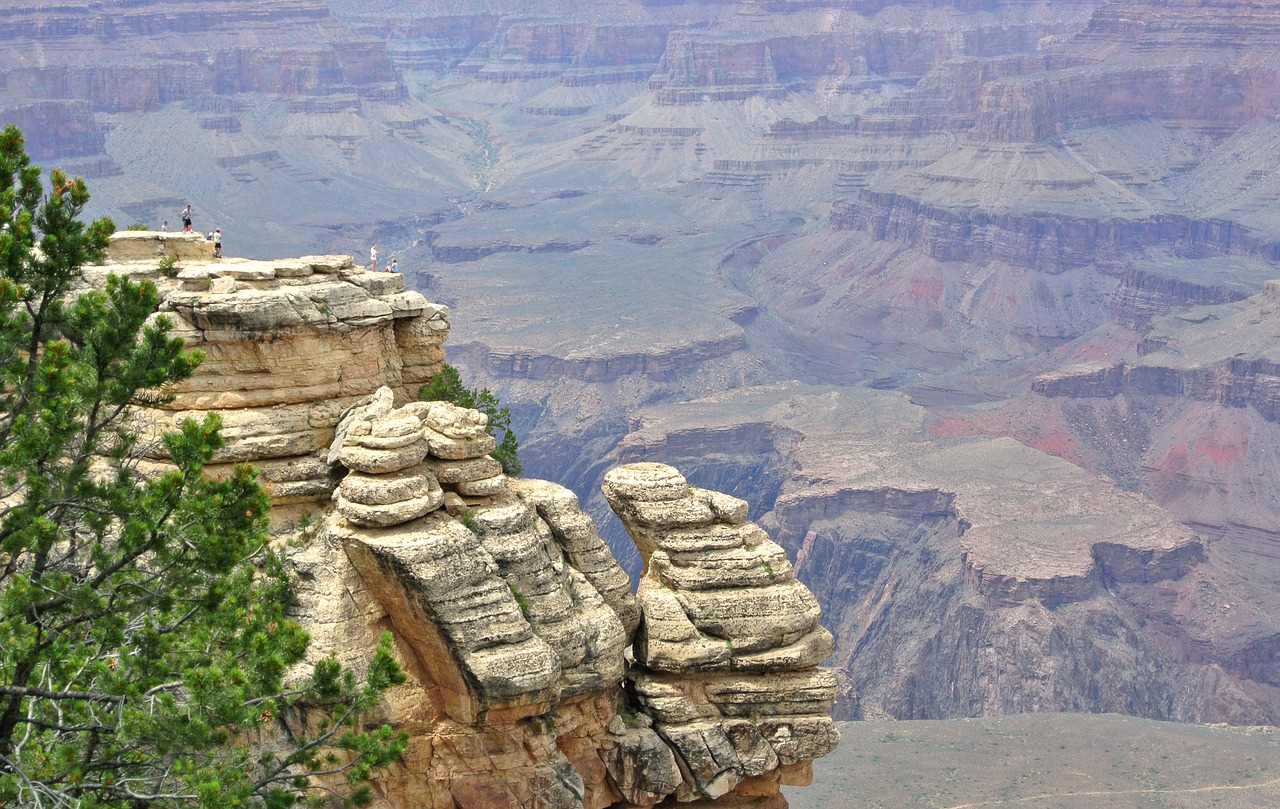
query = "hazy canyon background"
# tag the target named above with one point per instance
(968, 299)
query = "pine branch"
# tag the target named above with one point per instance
(44, 693)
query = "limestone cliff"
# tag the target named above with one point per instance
(515, 624)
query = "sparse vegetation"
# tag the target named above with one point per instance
(137, 226)
(168, 266)
(521, 601)
(544, 723)
(446, 386)
(469, 521)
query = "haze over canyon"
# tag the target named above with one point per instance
(974, 302)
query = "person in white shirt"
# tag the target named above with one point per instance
(373, 258)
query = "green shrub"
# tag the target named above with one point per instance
(469, 521)
(446, 386)
(169, 266)
(137, 226)
(521, 601)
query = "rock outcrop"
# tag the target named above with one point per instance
(513, 619)
(288, 346)
(727, 653)
(509, 614)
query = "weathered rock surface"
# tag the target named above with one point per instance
(512, 609)
(717, 600)
(512, 620)
(289, 345)
(508, 612)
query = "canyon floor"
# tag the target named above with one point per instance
(1046, 760)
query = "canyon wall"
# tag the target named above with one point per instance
(964, 575)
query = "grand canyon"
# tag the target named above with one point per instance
(974, 302)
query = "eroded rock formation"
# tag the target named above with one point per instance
(513, 619)
(510, 615)
(728, 651)
(288, 344)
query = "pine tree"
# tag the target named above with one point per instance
(144, 635)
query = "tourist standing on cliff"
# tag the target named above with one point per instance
(164, 226)
(392, 268)
(186, 218)
(217, 242)
(373, 258)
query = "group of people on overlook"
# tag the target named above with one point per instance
(373, 260)
(216, 237)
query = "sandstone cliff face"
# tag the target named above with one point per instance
(289, 345)
(509, 613)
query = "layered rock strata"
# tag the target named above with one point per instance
(965, 575)
(727, 653)
(480, 589)
(512, 619)
(288, 346)
(1225, 354)
(1196, 403)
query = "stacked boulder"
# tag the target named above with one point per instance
(399, 458)
(430, 522)
(728, 648)
(508, 608)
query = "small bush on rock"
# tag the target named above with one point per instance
(446, 386)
